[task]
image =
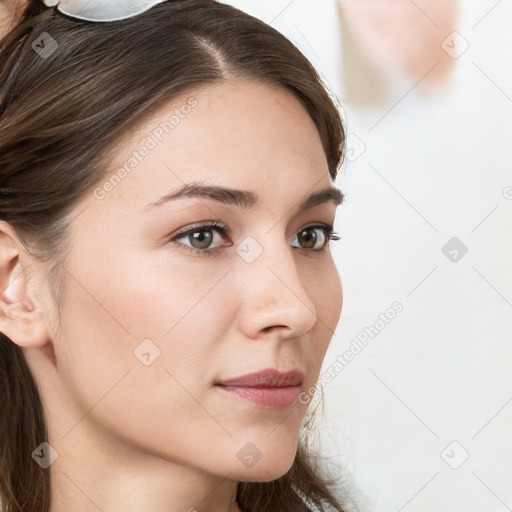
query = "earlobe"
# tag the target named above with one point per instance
(20, 319)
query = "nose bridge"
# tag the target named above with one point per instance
(273, 292)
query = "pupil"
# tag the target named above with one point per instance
(309, 237)
(204, 241)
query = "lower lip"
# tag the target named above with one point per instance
(270, 398)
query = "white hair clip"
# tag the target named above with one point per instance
(102, 10)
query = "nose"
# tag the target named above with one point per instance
(272, 295)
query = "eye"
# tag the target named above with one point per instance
(201, 237)
(315, 238)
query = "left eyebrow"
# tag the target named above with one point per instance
(244, 198)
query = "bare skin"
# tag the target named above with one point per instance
(161, 436)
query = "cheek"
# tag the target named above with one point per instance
(325, 290)
(114, 323)
(137, 308)
(334, 291)
(323, 286)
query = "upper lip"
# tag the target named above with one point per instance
(269, 377)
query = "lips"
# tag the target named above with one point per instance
(269, 389)
(268, 378)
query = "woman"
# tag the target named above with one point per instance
(166, 285)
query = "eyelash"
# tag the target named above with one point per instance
(328, 230)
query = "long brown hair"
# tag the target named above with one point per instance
(60, 113)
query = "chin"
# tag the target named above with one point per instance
(266, 470)
(257, 476)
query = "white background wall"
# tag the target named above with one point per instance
(435, 166)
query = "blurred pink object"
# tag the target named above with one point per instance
(398, 37)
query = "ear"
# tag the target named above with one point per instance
(21, 318)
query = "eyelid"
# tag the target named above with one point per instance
(213, 224)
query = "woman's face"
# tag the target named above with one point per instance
(148, 326)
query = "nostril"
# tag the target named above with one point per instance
(271, 327)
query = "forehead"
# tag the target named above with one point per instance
(237, 133)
